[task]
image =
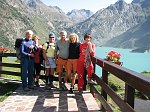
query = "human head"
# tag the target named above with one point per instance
(63, 34)
(87, 37)
(35, 37)
(29, 34)
(73, 38)
(51, 37)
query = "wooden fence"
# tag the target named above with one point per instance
(133, 80)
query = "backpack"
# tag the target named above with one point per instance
(18, 43)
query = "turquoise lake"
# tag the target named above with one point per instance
(138, 62)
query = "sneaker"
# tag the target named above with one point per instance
(26, 89)
(81, 91)
(48, 87)
(31, 87)
(37, 84)
(52, 86)
(71, 90)
(91, 82)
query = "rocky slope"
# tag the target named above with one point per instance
(135, 38)
(19, 15)
(79, 15)
(113, 21)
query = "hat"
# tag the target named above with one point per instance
(51, 35)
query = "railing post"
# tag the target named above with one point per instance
(129, 95)
(0, 64)
(105, 79)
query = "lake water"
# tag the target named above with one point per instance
(138, 62)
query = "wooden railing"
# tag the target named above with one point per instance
(133, 80)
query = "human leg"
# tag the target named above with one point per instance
(24, 63)
(80, 71)
(30, 73)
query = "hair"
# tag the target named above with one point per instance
(87, 36)
(35, 36)
(30, 32)
(74, 34)
(63, 32)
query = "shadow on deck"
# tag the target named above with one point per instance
(42, 100)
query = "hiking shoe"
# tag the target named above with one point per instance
(81, 91)
(26, 89)
(48, 87)
(37, 84)
(91, 82)
(71, 90)
(52, 86)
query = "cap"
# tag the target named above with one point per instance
(51, 35)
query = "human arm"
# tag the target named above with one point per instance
(91, 49)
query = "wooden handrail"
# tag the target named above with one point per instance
(132, 79)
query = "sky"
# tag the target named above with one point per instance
(93, 5)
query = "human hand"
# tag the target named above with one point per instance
(31, 46)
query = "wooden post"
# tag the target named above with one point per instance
(0, 65)
(129, 95)
(105, 79)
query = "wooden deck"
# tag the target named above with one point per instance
(42, 100)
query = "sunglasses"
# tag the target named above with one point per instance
(51, 37)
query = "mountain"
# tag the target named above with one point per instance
(79, 15)
(112, 21)
(137, 1)
(137, 37)
(17, 16)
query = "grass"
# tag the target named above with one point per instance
(6, 89)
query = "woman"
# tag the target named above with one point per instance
(87, 49)
(37, 63)
(72, 59)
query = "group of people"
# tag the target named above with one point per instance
(64, 54)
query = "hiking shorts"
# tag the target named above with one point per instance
(52, 63)
(61, 63)
(72, 65)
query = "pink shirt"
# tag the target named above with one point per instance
(83, 47)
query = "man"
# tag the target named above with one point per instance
(28, 49)
(61, 55)
(49, 57)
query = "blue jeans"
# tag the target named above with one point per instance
(27, 71)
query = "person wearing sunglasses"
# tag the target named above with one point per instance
(49, 57)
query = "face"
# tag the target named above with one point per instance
(51, 39)
(36, 39)
(28, 35)
(87, 39)
(73, 38)
(63, 36)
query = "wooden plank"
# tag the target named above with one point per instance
(11, 65)
(102, 100)
(129, 95)
(123, 105)
(134, 79)
(7, 54)
(11, 73)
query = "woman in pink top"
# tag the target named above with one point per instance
(37, 63)
(87, 49)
